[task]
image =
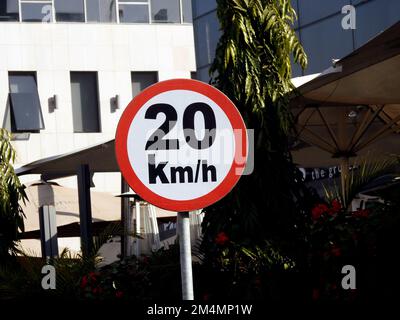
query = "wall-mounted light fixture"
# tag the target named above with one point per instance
(53, 103)
(114, 102)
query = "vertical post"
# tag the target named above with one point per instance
(344, 173)
(125, 215)
(48, 231)
(85, 209)
(154, 223)
(137, 227)
(185, 255)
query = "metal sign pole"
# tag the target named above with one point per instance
(185, 255)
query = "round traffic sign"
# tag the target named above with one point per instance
(181, 144)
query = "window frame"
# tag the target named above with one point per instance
(134, 3)
(13, 125)
(84, 13)
(155, 73)
(180, 14)
(21, 2)
(98, 22)
(18, 18)
(96, 74)
(117, 19)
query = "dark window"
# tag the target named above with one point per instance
(85, 102)
(100, 10)
(187, 11)
(26, 113)
(36, 12)
(69, 10)
(130, 12)
(141, 80)
(165, 11)
(9, 10)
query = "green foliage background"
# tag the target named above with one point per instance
(253, 68)
(11, 192)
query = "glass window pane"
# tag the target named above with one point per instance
(22, 83)
(26, 113)
(141, 80)
(69, 10)
(85, 106)
(187, 11)
(9, 10)
(165, 11)
(36, 12)
(100, 10)
(131, 13)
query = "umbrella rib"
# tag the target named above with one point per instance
(330, 149)
(364, 126)
(387, 127)
(330, 131)
(310, 141)
(305, 123)
(385, 117)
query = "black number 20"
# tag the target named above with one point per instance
(156, 141)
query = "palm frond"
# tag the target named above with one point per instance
(364, 171)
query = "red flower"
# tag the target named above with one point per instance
(257, 282)
(92, 276)
(336, 206)
(315, 294)
(221, 238)
(145, 260)
(96, 290)
(318, 211)
(84, 282)
(336, 252)
(362, 213)
(119, 294)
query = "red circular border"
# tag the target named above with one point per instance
(122, 153)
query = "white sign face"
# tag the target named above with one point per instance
(181, 145)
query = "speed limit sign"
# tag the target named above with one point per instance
(181, 145)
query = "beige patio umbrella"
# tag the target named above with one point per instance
(105, 207)
(351, 109)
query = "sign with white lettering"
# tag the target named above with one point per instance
(181, 145)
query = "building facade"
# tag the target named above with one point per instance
(319, 28)
(68, 68)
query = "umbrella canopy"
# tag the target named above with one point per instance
(351, 109)
(105, 207)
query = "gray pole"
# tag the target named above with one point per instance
(185, 255)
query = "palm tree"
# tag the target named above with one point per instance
(11, 192)
(253, 68)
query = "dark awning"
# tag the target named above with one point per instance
(100, 158)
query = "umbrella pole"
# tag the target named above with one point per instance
(344, 173)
